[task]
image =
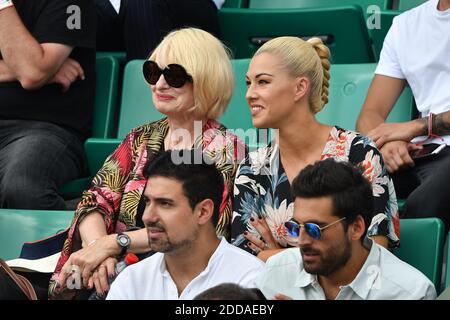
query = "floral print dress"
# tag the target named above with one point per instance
(116, 189)
(262, 189)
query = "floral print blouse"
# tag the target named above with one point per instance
(117, 188)
(262, 188)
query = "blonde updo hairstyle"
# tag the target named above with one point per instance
(304, 58)
(207, 60)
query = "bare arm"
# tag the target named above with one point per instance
(32, 64)
(381, 97)
(6, 74)
(98, 247)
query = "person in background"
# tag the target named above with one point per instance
(415, 52)
(137, 26)
(182, 201)
(191, 81)
(47, 88)
(334, 260)
(287, 85)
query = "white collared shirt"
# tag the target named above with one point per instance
(150, 280)
(382, 277)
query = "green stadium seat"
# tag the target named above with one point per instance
(300, 4)
(343, 29)
(97, 151)
(235, 4)
(349, 84)
(378, 35)
(103, 123)
(19, 226)
(404, 5)
(237, 115)
(120, 56)
(136, 106)
(421, 245)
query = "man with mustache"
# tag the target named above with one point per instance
(182, 208)
(334, 259)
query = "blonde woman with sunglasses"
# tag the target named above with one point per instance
(191, 82)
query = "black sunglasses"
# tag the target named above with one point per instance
(176, 76)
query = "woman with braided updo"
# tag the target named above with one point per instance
(287, 85)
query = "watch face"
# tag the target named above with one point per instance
(124, 240)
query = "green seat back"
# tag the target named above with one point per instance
(120, 56)
(343, 29)
(136, 106)
(349, 84)
(421, 245)
(104, 115)
(404, 5)
(19, 226)
(106, 93)
(378, 35)
(235, 4)
(284, 4)
(237, 116)
(97, 150)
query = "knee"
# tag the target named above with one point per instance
(21, 191)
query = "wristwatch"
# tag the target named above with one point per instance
(5, 4)
(124, 241)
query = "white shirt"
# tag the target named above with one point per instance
(115, 4)
(382, 277)
(417, 48)
(219, 3)
(150, 280)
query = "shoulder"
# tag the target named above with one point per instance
(285, 259)
(402, 277)
(241, 257)
(412, 15)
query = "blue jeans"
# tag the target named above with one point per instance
(36, 159)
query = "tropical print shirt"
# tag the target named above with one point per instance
(261, 188)
(116, 190)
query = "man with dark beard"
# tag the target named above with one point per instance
(182, 196)
(336, 261)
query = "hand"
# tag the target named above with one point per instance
(68, 74)
(396, 155)
(266, 241)
(387, 132)
(89, 258)
(99, 279)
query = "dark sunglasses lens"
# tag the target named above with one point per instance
(175, 75)
(292, 228)
(151, 72)
(313, 230)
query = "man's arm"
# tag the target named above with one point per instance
(5, 73)
(32, 64)
(381, 97)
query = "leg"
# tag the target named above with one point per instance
(431, 197)
(36, 159)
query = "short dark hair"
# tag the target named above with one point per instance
(201, 180)
(229, 291)
(350, 191)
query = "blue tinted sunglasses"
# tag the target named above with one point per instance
(314, 231)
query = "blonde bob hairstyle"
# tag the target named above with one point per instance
(207, 60)
(304, 58)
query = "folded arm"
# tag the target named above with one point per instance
(31, 63)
